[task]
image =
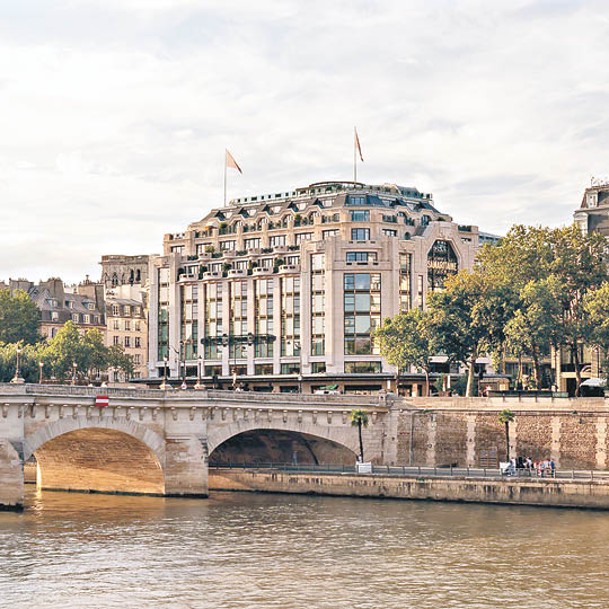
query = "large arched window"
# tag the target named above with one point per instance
(441, 263)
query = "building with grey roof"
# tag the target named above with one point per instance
(283, 291)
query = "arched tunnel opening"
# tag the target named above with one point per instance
(278, 447)
(98, 460)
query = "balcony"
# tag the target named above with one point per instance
(289, 268)
(212, 275)
(237, 273)
(259, 270)
(188, 277)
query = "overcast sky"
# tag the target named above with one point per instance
(114, 114)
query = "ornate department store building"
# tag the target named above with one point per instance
(282, 292)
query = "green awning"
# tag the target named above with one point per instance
(330, 387)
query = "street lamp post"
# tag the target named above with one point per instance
(182, 358)
(18, 378)
(74, 367)
(199, 384)
(40, 367)
(243, 340)
(298, 346)
(164, 383)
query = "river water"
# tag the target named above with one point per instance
(249, 551)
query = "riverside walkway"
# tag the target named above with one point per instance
(425, 472)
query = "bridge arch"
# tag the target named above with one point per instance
(154, 441)
(114, 455)
(250, 442)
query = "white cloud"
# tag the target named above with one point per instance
(114, 115)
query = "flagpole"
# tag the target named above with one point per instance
(225, 178)
(354, 155)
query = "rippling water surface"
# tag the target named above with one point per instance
(242, 550)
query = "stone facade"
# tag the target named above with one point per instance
(82, 304)
(119, 270)
(127, 326)
(125, 283)
(543, 492)
(158, 442)
(282, 292)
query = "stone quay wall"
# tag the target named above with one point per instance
(549, 493)
(467, 432)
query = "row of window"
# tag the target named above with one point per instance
(126, 325)
(357, 234)
(126, 311)
(267, 369)
(299, 220)
(128, 341)
(79, 318)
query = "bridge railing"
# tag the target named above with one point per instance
(426, 472)
(207, 395)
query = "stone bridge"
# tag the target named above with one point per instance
(148, 441)
(162, 442)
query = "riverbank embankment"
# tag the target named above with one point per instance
(591, 494)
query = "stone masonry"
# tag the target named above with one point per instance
(157, 442)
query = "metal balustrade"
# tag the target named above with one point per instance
(424, 472)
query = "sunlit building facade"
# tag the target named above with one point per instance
(283, 292)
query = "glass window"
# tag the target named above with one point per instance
(303, 237)
(318, 367)
(362, 281)
(362, 302)
(360, 234)
(360, 216)
(277, 240)
(441, 263)
(361, 257)
(253, 243)
(329, 233)
(362, 324)
(349, 302)
(362, 367)
(362, 305)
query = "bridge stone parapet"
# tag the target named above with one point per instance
(153, 441)
(161, 442)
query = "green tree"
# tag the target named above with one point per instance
(117, 358)
(404, 340)
(533, 328)
(579, 267)
(19, 317)
(468, 319)
(29, 357)
(95, 354)
(505, 418)
(596, 304)
(65, 349)
(564, 265)
(359, 419)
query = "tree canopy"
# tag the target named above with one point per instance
(59, 354)
(405, 340)
(538, 288)
(19, 318)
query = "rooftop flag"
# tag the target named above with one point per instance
(358, 145)
(230, 162)
(357, 148)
